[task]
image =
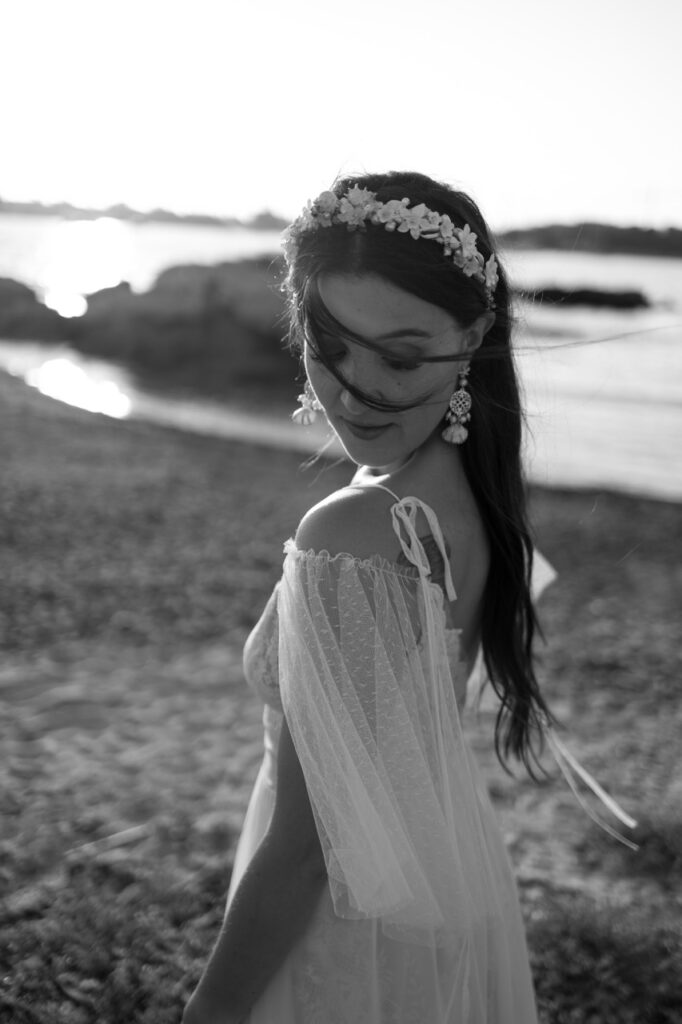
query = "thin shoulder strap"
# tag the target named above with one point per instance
(404, 521)
(404, 516)
(365, 487)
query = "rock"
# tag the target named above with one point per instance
(249, 289)
(110, 300)
(215, 329)
(23, 316)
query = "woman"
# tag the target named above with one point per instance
(371, 883)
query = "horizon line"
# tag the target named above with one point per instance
(265, 214)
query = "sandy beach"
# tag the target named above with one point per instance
(135, 559)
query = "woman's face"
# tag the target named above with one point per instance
(407, 328)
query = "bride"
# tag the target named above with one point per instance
(371, 884)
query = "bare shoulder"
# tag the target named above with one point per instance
(352, 520)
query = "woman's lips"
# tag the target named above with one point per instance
(365, 432)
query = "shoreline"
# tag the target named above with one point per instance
(193, 414)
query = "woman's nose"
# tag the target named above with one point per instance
(360, 372)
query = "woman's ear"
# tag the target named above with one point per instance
(478, 330)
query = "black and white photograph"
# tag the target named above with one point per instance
(341, 512)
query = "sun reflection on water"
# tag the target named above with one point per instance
(63, 379)
(83, 256)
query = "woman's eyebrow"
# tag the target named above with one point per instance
(405, 332)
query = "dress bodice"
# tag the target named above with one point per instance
(261, 649)
(261, 653)
(261, 670)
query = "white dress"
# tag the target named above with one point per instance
(420, 922)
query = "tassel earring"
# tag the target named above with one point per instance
(309, 407)
(458, 411)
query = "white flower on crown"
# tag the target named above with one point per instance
(467, 241)
(415, 220)
(491, 275)
(353, 216)
(391, 214)
(326, 202)
(356, 206)
(468, 267)
(357, 196)
(325, 207)
(432, 225)
(446, 228)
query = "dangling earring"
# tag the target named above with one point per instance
(458, 411)
(309, 409)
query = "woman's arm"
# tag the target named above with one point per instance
(277, 896)
(271, 908)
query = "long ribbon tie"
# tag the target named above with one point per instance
(405, 517)
(568, 764)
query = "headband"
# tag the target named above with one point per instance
(359, 206)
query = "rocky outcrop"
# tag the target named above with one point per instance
(599, 238)
(216, 328)
(24, 317)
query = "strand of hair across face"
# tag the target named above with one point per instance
(620, 336)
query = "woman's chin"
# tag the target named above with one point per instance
(364, 453)
(381, 464)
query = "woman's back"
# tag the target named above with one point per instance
(436, 476)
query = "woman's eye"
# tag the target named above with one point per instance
(334, 355)
(403, 365)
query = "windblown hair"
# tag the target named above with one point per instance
(492, 453)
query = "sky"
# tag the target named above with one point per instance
(544, 110)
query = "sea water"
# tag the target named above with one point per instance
(603, 388)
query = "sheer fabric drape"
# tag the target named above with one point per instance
(420, 922)
(415, 860)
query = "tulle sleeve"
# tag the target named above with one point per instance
(370, 703)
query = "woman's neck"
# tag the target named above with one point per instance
(434, 460)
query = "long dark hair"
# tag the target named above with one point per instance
(492, 453)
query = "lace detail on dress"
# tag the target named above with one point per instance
(372, 562)
(369, 698)
(261, 655)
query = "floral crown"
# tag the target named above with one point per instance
(359, 205)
